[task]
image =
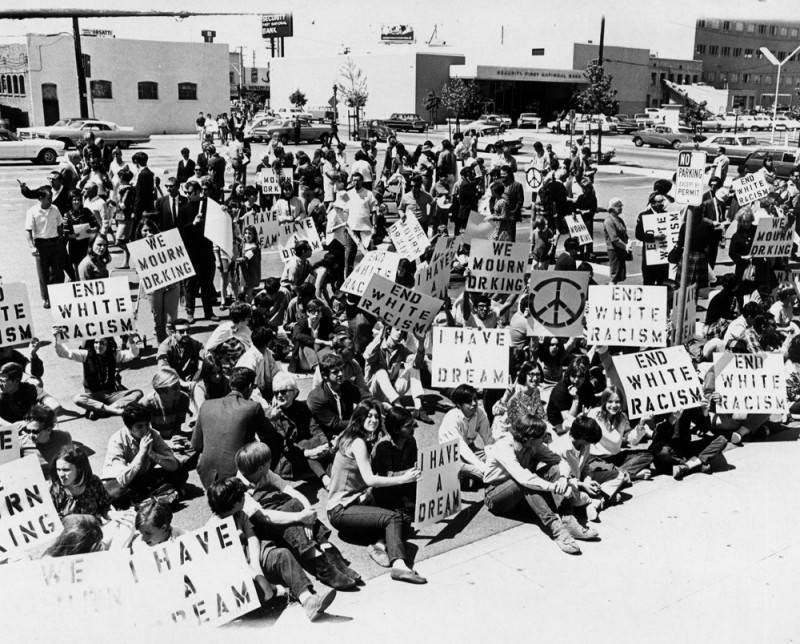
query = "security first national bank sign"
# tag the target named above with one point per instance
(489, 72)
(277, 25)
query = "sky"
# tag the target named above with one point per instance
(496, 30)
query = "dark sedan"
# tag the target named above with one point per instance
(406, 123)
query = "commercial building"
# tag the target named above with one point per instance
(670, 70)
(156, 87)
(251, 82)
(731, 56)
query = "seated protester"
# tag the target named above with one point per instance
(521, 399)
(74, 488)
(573, 450)
(296, 310)
(677, 450)
(737, 425)
(290, 520)
(139, 463)
(332, 402)
(16, 397)
(343, 346)
(274, 300)
(211, 385)
(348, 502)
(168, 403)
(586, 266)
(480, 316)
(153, 525)
(573, 395)
(724, 305)
(552, 356)
(360, 324)
(38, 435)
(395, 454)
(742, 328)
(232, 338)
(303, 453)
(298, 269)
(567, 260)
(392, 370)
(261, 361)
(8, 354)
(521, 470)
(81, 534)
(518, 326)
(181, 352)
(309, 336)
(270, 565)
(465, 423)
(103, 391)
(792, 374)
(782, 310)
(609, 454)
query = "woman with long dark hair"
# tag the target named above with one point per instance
(79, 223)
(74, 488)
(94, 265)
(81, 534)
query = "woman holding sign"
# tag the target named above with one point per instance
(79, 223)
(163, 301)
(349, 502)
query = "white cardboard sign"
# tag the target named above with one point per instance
(750, 383)
(628, 316)
(399, 307)
(266, 224)
(667, 224)
(557, 303)
(434, 277)
(161, 260)
(689, 178)
(292, 232)
(408, 238)
(497, 267)
(438, 489)
(773, 238)
(375, 262)
(91, 309)
(270, 184)
(577, 229)
(16, 321)
(477, 357)
(751, 187)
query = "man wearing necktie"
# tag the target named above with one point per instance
(169, 206)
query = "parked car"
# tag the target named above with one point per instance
(760, 123)
(292, 112)
(528, 119)
(492, 137)
(585, 124)
(503, 119)
(644, 120)
(784, 160)
(401, 122)
(663, 136)
(375, 129)
(43, 151)
(785, 122)
(608, 152)
(258, 121)
(737, 146)
(309, 132)
(70, 131)
(625, 124)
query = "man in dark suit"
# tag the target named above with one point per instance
(203, 158)
(216, 171)
(168, 207)
(332, 402)
(106, 153)
(144, 199)
(226, 424)
(191, 222)
(715, 210)
(185, 167)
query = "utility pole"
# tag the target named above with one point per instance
(241, 71)
(76, 34)
(600, 63)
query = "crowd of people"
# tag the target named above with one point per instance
(556, 446)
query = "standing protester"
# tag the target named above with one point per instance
(145, 188)
(200, 251)
(657, 274)
(616, 241)
(43, 228)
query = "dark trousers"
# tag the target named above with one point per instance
(674, 445)
(605, 468)
(154, 482)
(204, 285)
(505, 498)
(294, 536)
(49, 263)
(617, 266)
(654, 275)
(360, 518)
(281, 567)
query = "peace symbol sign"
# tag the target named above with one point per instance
(534, 177)
(557, 302)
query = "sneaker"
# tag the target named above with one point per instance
(378, 555)
(566, 542)
(408, 576)
(317, 603)
(578, 531)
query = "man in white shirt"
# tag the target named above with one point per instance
(362, 166)
(362, 207)
(466, 423)
(43, 229)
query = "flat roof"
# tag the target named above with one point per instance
(513, 73)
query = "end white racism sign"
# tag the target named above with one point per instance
(161, 260)
(751, 187)
(16, 321)
(750, 383)
(399, 307)
(438, 489)
(375, 262)
(91, 309)
(628, 316)
(497, 267)
(659, 381)
(477, 357)
(667, 224)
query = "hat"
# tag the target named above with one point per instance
(12, 369)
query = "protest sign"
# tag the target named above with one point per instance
(497, 267)
(270, 184)
(432, 278)
(628, 316)
(438, 488)
(749, 188)
(16, 321)
(577, 229)
(266, 224)
(684, 331)
(557, 302)
(409, 240)
(398, 306)
(161, 260)
(659, 381)
(82, 231)
(375, 262)
(218, 227)
(666, 224)
(28, 518)
(478, 227)
(91, 309)
(291, 233)
(689, 183)
(477, 357)
(9, 443)
(750, 383)
(773, 238)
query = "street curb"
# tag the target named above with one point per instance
(616, 170)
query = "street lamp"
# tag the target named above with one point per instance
(779, 64)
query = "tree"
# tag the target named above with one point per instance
(297, 98)
(353, 87)
(598, 97)
(461, 98)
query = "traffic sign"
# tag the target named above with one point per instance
(689, 177)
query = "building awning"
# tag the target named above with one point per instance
(529, 74)
(716, 100)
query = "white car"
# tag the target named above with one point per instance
(760, 123)
(258, 121)
(528, 119)
(493, 119)
(785, 122)
(44, 151)
(293, 112)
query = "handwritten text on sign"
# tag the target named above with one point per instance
(161, 260)
(433, 278)
(290, 233)
(438, 489)
(751, 187)
(270, 185)
(408, 238)
(689, 177)
(629, 316)
(751, 383)
(398, 306)
(497, 267)
(266, 224)
(477, 357)
(16, 322)
(773, 238)
(661, 224)
(659, 381)
(578, 230)
(91, 309)
(375, 262)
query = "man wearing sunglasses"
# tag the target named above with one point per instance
(38, 435)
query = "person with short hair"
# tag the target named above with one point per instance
(466, 422)
(17, 398)
(658, 274)
(570, 397)
(185, 169)
(332, 402)
(153, 524)
(231, 339)
(38, 436)
(309, 337)
(297, 270)
(343, 346)
(43, 226)
(74, 489)
(616, 234)
(361, 219)
(567, 260)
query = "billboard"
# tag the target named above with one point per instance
(397, 33)
(277, 25)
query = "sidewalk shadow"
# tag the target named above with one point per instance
(455, 524)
